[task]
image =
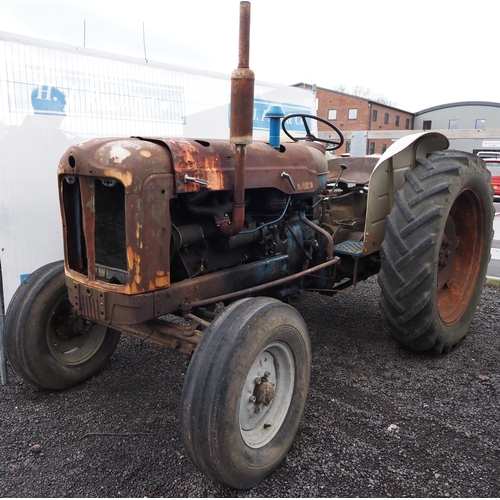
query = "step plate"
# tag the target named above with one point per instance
(354, 248)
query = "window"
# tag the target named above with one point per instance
(372, 148)
(374, 115)
(332, 114)
(407, 124)
(480, 124)
(453, 124)
(384, 147)
(386, 118)
(427, 124)
(352, 114)
(347, 146)
(396, 121)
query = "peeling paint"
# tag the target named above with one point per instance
(119, 153)
(162, 281)
(127, 143)
(133, 289)
(134, 264)
(124, 177)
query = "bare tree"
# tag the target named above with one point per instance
(365, 93)
(340, 88)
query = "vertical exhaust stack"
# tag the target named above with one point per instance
(241, 125)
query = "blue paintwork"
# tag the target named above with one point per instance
(274, 113)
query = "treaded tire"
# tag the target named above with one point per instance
(37, 311)
(224, 436)
(436, 251)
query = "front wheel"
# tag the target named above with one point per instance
(245, 391)
(436, 251)
(46, 343)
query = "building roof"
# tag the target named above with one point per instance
(313, 86)
(459, 105)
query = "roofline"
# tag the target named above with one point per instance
(353, 96)
(459, 104)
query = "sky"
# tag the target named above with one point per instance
(415, 53)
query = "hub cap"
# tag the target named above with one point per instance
(267, 394)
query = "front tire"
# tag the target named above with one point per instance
(436, 251)
(46, 343)
(245, 391)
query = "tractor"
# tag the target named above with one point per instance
(199, 245)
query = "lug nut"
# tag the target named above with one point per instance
(258, 380)
(252, 399)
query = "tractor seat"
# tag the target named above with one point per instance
(359, 169)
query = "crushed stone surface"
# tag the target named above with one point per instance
(381, 421)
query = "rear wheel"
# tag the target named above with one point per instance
(436, 251)
(245, 391)
(46, 343)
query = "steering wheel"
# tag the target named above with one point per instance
(309, 135)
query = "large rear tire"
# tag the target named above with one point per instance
(45, 342)
(245, 391)
(436, 251)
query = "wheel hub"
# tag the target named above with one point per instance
(72, 326)
(461, 256)
(73, 340)
(267, 394)
(446, 253)
(264, 391)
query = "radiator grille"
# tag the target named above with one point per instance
(75, 238)
(110, 242)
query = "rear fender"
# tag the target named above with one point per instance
(388, 176)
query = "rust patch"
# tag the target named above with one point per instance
(199, 161)
(124, 177)
(162, 280)
(132, 289)
(215, 176)
(134, 265)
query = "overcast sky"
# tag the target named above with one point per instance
(417, 54)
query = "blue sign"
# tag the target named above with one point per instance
(260, 107)
(48, 100)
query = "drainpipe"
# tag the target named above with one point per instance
(241, 124)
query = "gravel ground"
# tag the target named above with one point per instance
(381, 421)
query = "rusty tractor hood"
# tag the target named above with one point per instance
(210, 162)
(128, 160)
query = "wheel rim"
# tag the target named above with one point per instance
(267, 394)
(71, 339)
(460, 256)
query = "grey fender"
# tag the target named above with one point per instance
(388, 176)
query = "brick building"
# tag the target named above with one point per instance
(382, 124)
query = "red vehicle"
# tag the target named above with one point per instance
(493, 165)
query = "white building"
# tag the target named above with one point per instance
(471, 126)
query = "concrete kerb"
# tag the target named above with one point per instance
(492, 281)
